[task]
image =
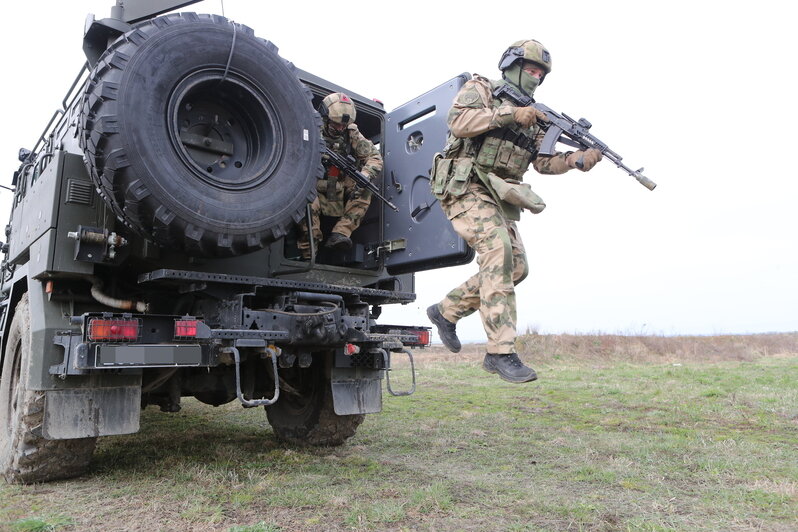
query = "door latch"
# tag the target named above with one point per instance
(390, 246)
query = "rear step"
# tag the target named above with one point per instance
(271, 352)
(388, 374)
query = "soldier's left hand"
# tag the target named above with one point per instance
(584, 159)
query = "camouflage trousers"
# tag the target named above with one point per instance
(502, 264)
(349, 205)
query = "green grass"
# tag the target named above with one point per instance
(655, 447)
(36, 524)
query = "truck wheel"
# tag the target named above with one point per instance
(25, 456)
(199, 136)
(304, 415)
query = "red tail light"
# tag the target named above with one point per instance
(186, 328)
(113, 330)
(423, 337)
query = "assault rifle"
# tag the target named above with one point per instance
(574, 133)
(348, 167)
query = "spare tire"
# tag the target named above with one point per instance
(199, 136)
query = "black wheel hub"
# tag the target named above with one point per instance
(224, 129)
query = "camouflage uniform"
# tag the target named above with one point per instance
(339, 195)
(485, 139)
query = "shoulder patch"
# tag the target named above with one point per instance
(469, 97)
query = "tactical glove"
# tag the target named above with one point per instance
(584, 159)
(526, 116)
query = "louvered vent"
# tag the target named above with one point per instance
(80, 192)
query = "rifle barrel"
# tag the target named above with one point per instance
(564, 129)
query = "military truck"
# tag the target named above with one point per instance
(151, 252)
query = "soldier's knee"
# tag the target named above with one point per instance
(497, 252)
(507, 249)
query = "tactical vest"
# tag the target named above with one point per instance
(341, 145)
(330, 187)
(506, 152)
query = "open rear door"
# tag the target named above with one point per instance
(418, 237)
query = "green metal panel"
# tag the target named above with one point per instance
(79, 204)
(46, 318)
(41, 254)
(36, 209)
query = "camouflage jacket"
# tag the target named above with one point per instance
(485, 138)
(485, 124)
(352, 142)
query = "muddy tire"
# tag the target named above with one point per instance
(308, 418)
(25, 456)
(199, 136)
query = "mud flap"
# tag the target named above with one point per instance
(356, 390)
(91, 412)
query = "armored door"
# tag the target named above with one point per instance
(419, 236)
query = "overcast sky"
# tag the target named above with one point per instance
(697, 92)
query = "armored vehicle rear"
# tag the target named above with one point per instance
(152, 253)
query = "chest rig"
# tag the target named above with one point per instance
(506, 151)
(329, 185)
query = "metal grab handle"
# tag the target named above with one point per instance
(253, 402)
(387, 358)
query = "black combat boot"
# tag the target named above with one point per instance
(509, 367)
(338, 241)
(446, 329)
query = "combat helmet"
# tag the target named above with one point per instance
(338, 107)
(527, 50)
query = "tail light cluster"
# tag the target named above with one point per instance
(186, 328)
(114, 329)
(128, 329)
(410, 335)
(422, 337)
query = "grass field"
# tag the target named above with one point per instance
(619, 433)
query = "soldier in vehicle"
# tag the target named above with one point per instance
(339, 196)
(490, 146)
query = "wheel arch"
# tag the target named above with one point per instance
(18, 289)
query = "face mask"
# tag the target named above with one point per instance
(529, 83)
(330, 130)
(524, 81)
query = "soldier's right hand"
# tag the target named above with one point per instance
(526, 116)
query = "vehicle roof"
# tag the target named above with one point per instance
(322, 87)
